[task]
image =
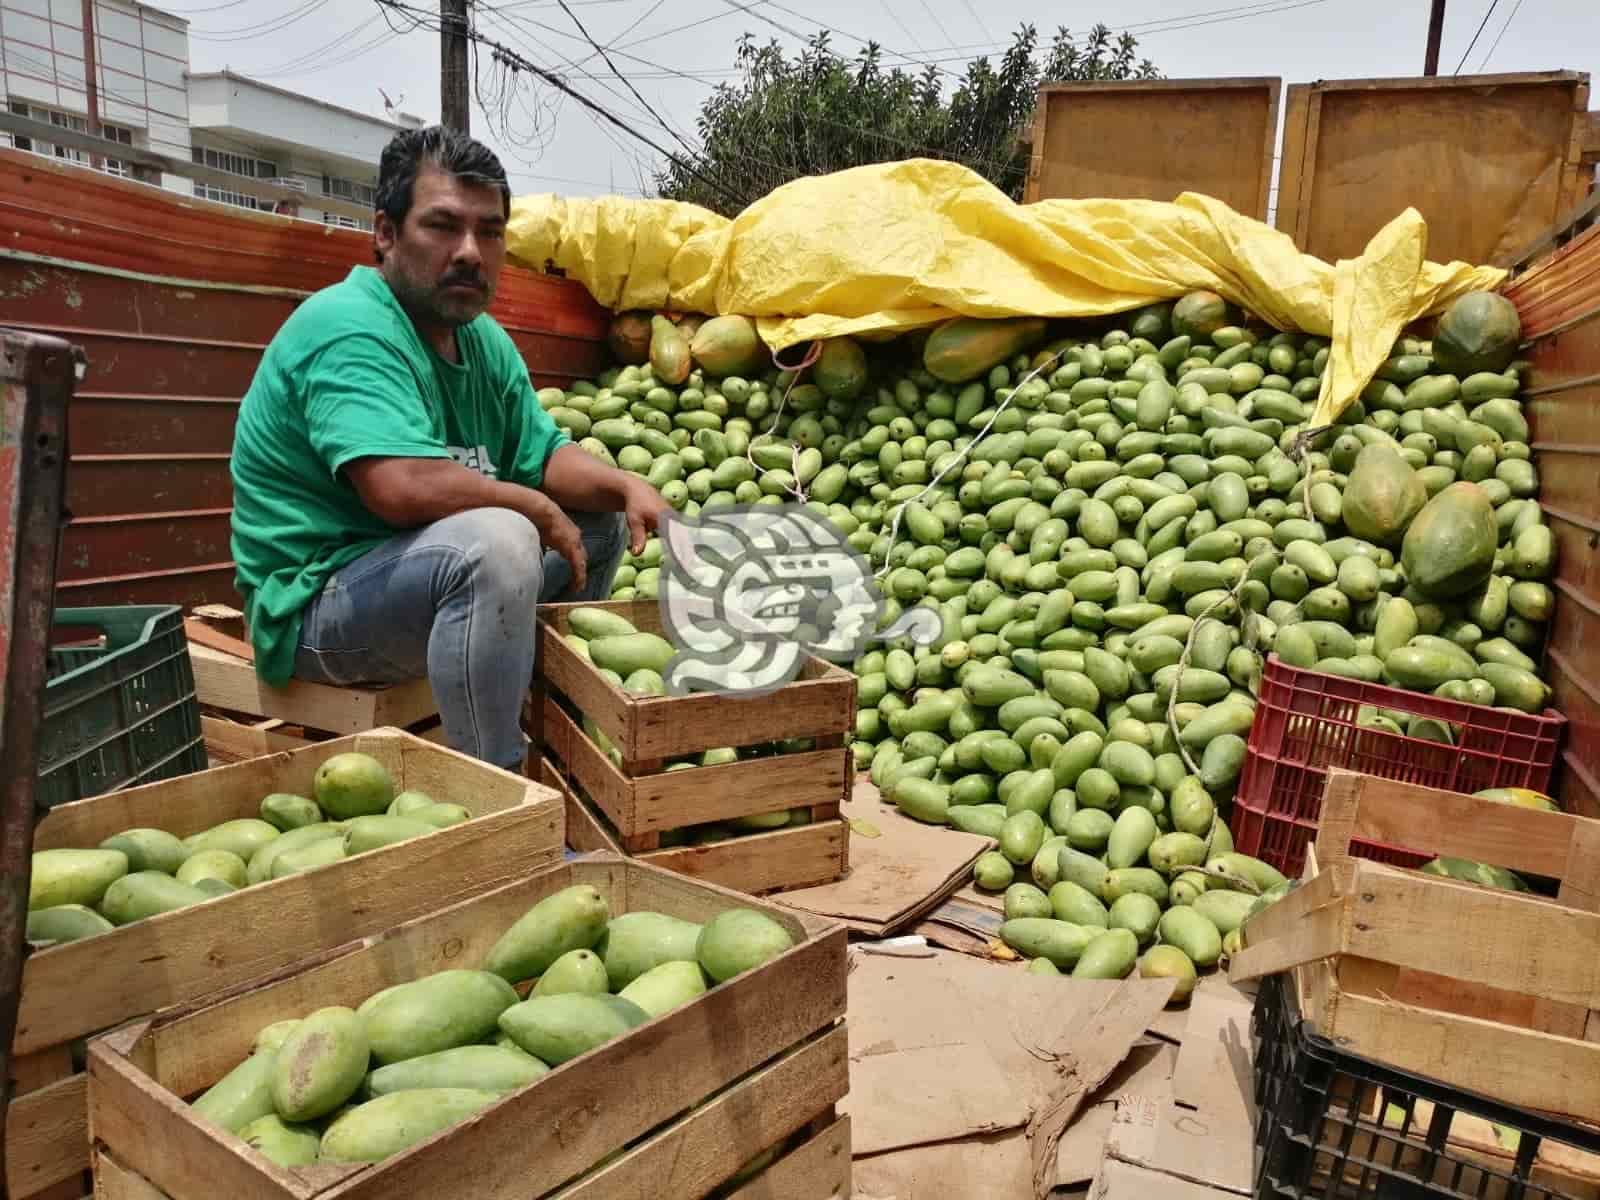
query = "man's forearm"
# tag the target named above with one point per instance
(410, 493)
(576, 479)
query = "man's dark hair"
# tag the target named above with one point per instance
(468, 160)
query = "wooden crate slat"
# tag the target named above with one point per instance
(818, 1169)
(47, 1136)
(232, 940)
(802, 856)
(693, 1156)
(1493, 991)
(542, 1136)
(674, 799)
(223, 681)
(820, 701)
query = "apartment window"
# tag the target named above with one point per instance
(348, 189)
(343, 222)
(207, 191)
(64, 120)
(234, 164)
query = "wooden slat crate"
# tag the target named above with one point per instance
(802, 856)
(686, 1099)
(639, 799)
(1492, 991)
(75, 990)
(243, 717)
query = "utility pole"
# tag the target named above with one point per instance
(455, 108)
(1430, 65)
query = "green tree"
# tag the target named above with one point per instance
(819, 112)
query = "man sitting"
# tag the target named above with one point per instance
(401, 500)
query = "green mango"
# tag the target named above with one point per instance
(738, 940)
(372, 1132)
(321, 1064)
(571, 919)
(487, 1068)
(556, 1028)
(73, 877)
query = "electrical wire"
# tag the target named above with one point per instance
(507, 57)
(904, 28)
(676, 136)
(1501, 34)
(261, 29)
(1493, 4)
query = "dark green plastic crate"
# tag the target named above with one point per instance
(121, 710)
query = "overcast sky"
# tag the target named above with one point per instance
(344, 51)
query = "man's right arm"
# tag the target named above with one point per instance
(367, 423)
(411, 492)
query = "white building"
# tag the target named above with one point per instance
(145, 96)
(253, 129)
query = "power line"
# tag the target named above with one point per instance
(632, 25)
(1501, 34)
(508, 57)
(934, 17)
(1493, 4)
(906, 29)
(637, 95)
(261, 28)
(976, 19)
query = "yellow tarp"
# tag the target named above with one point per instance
(896, 246)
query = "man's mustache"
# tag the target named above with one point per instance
(465, 280)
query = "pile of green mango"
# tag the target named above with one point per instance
(343, 1085)
(633, 661)
(1116, 521)
(77, 893)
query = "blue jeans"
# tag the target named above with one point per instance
(453, 602)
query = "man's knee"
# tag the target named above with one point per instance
(500, 548)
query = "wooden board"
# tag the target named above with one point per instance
(223, 681)
(229, 740)
(537, 1139)
(1155, 139)
(756, 863)
(180, 956)
(1484, 989)
(1557, 295)
(821, 702)
(1490, 161)
(640, 807)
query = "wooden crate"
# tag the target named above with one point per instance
(1153, 139)
(739, 1069)
(1491, 991)
(1502, 161)
(244, 717)
(72, 991)
(639, 798)
(804, 856)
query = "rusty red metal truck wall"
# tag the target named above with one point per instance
(1558, 296)
(173, 300)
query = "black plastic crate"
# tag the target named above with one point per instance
(120, 706)
(1334, 1126)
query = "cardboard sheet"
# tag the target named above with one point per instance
(1201, 1130)
(895, 878)
(953, 1061)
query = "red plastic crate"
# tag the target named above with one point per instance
(1306, 722)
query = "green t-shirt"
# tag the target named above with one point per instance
(347, 377)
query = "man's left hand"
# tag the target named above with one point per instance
(643, 507)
